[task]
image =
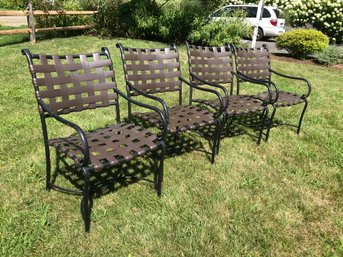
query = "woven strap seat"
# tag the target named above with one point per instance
(285, 98)
(181, 118)
(108, 146)
(238, 104)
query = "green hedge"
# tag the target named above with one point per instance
(302, 42)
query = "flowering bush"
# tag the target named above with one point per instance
(302, 42)
(323, 15)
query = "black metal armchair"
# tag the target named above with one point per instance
(255, 64)
(151, 71)
(212, 66)
(73, 83)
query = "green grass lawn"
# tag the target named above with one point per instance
(281, 198)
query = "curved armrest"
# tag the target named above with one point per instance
(214, 85)
(266, 83)
(309, 87)
(164, 105)
(220, 98)
(160, 113)
(81, 133)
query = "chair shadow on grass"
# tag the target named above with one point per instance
(248, 124)
(115, 178)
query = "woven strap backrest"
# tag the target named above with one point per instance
(253, 62)
(152, 70)
(211, 64)
(74, 82)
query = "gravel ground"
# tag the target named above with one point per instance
(13, 20)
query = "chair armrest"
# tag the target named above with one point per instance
(164, 105)
(214, 85)
(160, 113)
(220, 98)
(309, 87)
(266, 83)
(85, 149)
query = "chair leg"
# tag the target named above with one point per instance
(265, 111)
(85, 203)
(48, 168)
(271, 122)
(302, 116)
(216, 140)
(225, 118)
(160, 171)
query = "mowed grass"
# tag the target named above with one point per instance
(281, 198)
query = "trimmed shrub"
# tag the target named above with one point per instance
(302, 42)
(330, 56)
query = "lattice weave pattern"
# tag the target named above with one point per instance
(253, 62)
(152, 70)
(109, 146)
(285, 98)
(74, 82)
(211, 64)
(181, 118)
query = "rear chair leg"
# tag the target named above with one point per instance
(302, 116)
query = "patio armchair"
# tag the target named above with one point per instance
(152, 71)
(212, 66)
(64, 84)
(255, 64)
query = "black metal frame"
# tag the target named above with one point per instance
(274, 102)
(240, 77)
(87, 169)
(217, 115)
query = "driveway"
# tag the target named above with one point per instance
(271, 43)
(13, 20)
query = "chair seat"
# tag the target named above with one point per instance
(238, 104)
(285, 98)
(108, 146)
(181, 118)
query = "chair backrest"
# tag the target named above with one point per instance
(71, 83)
(210, 63)
(253, 62)
(152, 70)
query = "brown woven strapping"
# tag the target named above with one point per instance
(74, 83)
(108, 146)
(181, 118)
(211, 64)
(152, 70)
(253, 62)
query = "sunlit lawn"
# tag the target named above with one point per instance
(281, 198)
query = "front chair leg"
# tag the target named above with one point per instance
(271, 122)
(85, 203)
(265, 111)
(216, 139)
(159, 179)
(225, 118)
(302, 116)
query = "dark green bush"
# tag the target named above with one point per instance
(302, 42)
(148, 19)
(330, 56)
(222, 31)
